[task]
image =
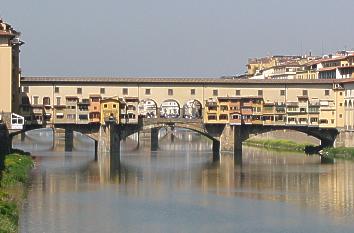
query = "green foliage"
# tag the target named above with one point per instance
(277, 144)
(16, 172)
(16, 169)
(339, 152)
(8, 216)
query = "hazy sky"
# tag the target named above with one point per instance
(171, 38)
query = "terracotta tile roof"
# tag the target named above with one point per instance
(328, 69)
(345, 67)
(169, 80)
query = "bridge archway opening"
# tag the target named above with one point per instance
(170, 109)
(192, 109)
(285, 134)
(46, 138)
(147, 108)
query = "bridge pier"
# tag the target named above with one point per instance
(149, 138)
(23, 136)
(231, 139)
(154, 139)
(69, 140)
(109, 140)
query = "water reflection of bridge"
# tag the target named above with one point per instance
(263, 175)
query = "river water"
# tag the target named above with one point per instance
(181, 189)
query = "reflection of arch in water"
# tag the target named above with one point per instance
(192, 109)
(147, 108)
(170, 109)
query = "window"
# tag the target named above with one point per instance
(340, 116)
(79, 91)
(340, 93)
(71, 116)
(238, 92)
(170, 91)
(114, 106)
(313, 119)
(125, 91)
(223, 117)
(35, 100)
(58, 100)
(211, 117)
(304, 92)
(326, 92)
(341, 104)
(25, 89)
(102, 90)
(282, 92)
(56, 89)
(215, 93)
(192, 91)
(260, 92)
(46, 101)
(105, 106)
(147, 91)
(83, 117)
(332, 121)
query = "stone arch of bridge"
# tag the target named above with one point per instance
(326, 136)
(92, 134)
(193, 128)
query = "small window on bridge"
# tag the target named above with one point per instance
(35, 100)
(215, 93)
(170, 91)
(260, 92)
(282, 92)
(56, 89)
(304, 92)
(79, 91)
(58, 101)
(326, 92)
(125, 91)
(192, 91)
(102, 90)
(238, 92)
(147, 91)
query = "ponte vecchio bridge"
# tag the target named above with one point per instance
(225, 110)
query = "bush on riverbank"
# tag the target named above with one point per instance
(339, 152)
(16, 172)
(278, 144)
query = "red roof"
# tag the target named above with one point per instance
(328, 69)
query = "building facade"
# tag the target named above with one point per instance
(9, 68)
(317, 103)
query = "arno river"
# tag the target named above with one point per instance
(181, 189)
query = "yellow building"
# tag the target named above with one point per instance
(110, 110)
(9, 68)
